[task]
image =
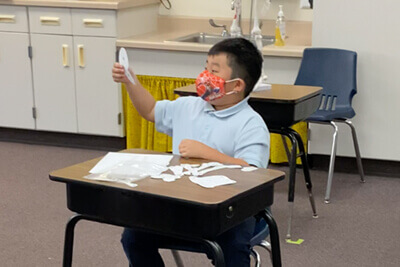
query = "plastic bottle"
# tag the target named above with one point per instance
(280, 28)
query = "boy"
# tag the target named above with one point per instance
(217, 126)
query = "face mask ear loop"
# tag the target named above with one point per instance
(233, 91)
(233, 80)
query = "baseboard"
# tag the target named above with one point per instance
(372, 167)
(94, 142)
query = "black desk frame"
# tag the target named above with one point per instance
(279, 117)
(296, 141)
(130, 208)
(211, 245)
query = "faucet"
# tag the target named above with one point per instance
(255, 30)
(236, 27)
(224, 31)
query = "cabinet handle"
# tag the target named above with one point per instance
(50, 20)
(96, 23)
(7, 18)
(81, 56)
(65, 55)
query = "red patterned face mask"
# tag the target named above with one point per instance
(211, 87)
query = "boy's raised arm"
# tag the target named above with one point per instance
(142, 100)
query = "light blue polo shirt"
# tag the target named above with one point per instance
(238, 131)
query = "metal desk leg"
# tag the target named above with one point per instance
(69, 239)
(292, 174)
(292, 181)
(217, 252)
(306, 170)
(274, 236)
(69, 236)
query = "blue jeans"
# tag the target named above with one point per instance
(141, 248)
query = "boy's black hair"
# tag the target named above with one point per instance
(243, 58)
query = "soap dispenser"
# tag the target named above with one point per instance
(280, 28)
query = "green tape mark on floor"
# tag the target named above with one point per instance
(298, 242)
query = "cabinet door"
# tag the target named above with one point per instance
(99, 102)
(16, 94)
(54, 82)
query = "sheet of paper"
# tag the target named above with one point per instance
(211, 181)
(113, 159)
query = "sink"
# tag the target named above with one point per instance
(211, 39)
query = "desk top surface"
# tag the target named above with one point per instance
(182, 188)
(278, 93)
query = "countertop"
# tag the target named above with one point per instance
(159, 41)
(93, 4)
(170, 28)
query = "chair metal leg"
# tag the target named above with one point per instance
(264, 244)
(177, 258)
(267, 246)
(356, 149)
(256, 257)
(332, 163)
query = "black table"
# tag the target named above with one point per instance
(154, 205)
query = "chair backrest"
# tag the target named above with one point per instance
(333, 69)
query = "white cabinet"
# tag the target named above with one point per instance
(16, 93)
(65, 84)
(73, 52)
(98, 97)
(54, 82)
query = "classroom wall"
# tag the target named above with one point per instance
(222, 9)
(370, 28)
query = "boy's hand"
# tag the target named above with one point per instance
(192, 149)
(118, 74)
(195, 149)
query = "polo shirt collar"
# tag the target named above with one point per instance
(208, 108)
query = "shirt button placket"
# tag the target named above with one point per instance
(205, 133)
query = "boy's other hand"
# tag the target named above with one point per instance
(118, 74)
(192, 149)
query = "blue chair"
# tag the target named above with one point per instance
(334, 70)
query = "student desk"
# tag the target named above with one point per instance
(181, 209)
(281, 107)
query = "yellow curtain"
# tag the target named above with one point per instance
(142, 134)
(277, 152)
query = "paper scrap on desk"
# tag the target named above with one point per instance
(177, 170)
(166, 177)
(249, 169)
(211, 181)
(128, 168)
(105, 177)
(113, 159)
(218, 167)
